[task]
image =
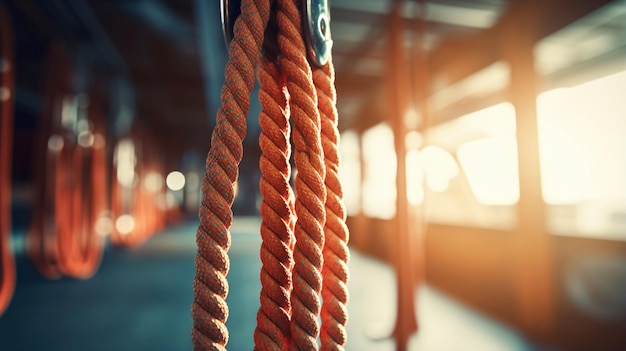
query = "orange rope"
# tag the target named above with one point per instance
(209, 307)
(294, 277)
(309, 182)
(7, 263)
(79, 199)
(63, 238)
(79, 246)
(272, 331)
(335, 272)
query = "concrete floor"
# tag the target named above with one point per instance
(140, 300)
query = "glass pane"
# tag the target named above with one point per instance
(379, 184)
(583, 164)
(471, 171)
(350, 171)
(490, 165)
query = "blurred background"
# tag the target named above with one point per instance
(483, 165)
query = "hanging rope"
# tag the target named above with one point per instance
(272, 331)
(80, 201)
(77, 252)
(294, 277)
(7, 263)
(209, 307)
(309, 182)
(63, 239)
(336, 255)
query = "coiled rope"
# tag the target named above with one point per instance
(7, 263)
(304, 251)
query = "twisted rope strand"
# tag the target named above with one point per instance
(272, 331)
(334, 312)
(209, 309)
(309, 182)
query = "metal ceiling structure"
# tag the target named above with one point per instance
(169, 54)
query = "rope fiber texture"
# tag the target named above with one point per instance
(336, 255)
(210, 286)
(304, 251)
(272, 331)
(309, 181)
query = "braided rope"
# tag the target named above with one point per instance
(288, 315)
(210, 286)
(309, 182)
(272, 331)
(335, 272)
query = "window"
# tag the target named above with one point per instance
(471, 169)
(350, 171)
(583, 159)
(582, 124)
(379, 183)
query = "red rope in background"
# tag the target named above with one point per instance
(63, 239)
(7, 263)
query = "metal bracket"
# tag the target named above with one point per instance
(229, 10)
(316, 20)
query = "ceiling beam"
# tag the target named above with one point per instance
(456, 59)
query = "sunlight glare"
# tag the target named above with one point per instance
(379, 184)
(582, 143)
(490, 165)
(350, 171)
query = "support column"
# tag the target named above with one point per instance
(403, 248)
(531, 244)
(420, 75)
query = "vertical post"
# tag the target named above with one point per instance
(421, 92)
(534, 291)
(403, 249)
